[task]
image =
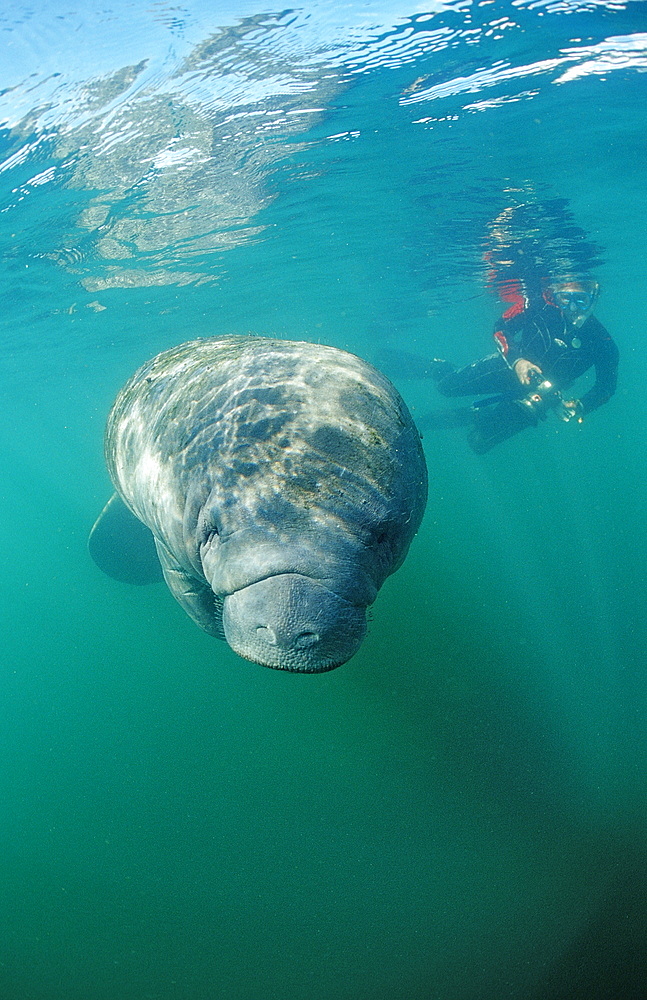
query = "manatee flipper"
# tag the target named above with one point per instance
(122, 546)
(197, 599)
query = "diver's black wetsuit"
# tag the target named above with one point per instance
(540, 335)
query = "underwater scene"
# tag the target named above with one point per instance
(458, 810)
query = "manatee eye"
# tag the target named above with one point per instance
(208, 526)
(383, 536)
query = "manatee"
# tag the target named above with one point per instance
(282, 482)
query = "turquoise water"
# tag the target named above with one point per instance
(459, 812)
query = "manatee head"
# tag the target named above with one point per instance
(313, 503)
(291, 600)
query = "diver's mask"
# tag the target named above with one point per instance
(574, 299)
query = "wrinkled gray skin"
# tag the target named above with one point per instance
(282, 481)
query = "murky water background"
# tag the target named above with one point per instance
(459, 812)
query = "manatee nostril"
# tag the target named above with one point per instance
(301, 640)
(266, 634)
(305, 639)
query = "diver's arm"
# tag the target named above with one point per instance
(507, 335)
(606, 375)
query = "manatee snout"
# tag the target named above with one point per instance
(292, 622)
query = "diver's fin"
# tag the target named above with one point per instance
(495, 424)
(122, 546)
(442, 420)
(402, 364)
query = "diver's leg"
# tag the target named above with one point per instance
(492, 425)
(442, 420)
(488, 375)
(399, 364)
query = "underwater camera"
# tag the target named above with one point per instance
(543, 396)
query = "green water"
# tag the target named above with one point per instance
(459, 812)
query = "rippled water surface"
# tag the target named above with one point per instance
(459, 812)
